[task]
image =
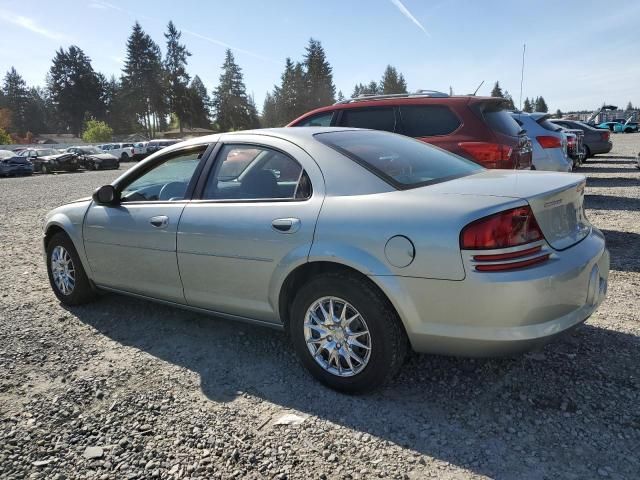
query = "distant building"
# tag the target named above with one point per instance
(56, 138)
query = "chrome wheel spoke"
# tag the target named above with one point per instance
(330, 340)
(62, 270)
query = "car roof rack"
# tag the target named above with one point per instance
(418, 93)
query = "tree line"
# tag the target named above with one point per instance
(536, 104)
(155, 92)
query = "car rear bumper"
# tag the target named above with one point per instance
(552, 160)
(498, 313)
(599, 147)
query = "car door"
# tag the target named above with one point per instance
(254, 219)
(131, 246)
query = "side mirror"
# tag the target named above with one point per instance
(106, 195)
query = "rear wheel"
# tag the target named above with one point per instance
(66, 274)
(124, 157)
(345, 334)
(587, 154)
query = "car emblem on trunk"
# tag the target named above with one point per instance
(553, 203)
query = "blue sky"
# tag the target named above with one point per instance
(579, 53)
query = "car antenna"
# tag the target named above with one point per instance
(476, 91)
(524, 49)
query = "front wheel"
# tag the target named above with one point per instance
(66, 274)
(345, 334)
(124, 157)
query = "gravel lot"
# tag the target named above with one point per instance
(128, 389)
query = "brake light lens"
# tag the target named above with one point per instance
(489, 155)
(547, 141)
(510, 228)
(605, 136)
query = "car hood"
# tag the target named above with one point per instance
(101, 156)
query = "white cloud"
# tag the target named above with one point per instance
(226, 45)
(400, 6)
(30, 24)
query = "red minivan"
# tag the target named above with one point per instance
(477, 128)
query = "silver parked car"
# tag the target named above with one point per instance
(548, 141)
(360, 243)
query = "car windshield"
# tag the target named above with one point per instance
(6, 154)
(401, 161)
(46, 151)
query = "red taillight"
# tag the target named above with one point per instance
(605, 136)
(571, 140)
(506, 229)
(489, 155)
(547, 141)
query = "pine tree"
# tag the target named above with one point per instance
(629, 106)
(291, 95)
(558, 113)
(175, 65)
(199, 103)
(357, 90)
(143, 82)
(497, 91)
(270, 115)
(75, 88)
(16, 98)
(234, 110)
(509, 100)
(372, 88)
(392, 82)
(340, 96)
(541, 105)
(318, 76)
(527, 107)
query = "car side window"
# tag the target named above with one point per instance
(320, 120)
(167, 181)
(428, 120)
(377, 118)
(250, 172)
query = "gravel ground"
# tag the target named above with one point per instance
(128, 389)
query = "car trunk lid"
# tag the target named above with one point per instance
(556, 199)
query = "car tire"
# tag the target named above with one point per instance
(124, 157)
(587, 154)
(117, 166)
(386, 338)
(60, 249)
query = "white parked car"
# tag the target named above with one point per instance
(140, 150)
(548, 142)
(123, 151)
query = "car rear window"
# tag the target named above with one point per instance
(427, 120)
(373, 118)
(319, 120)
(401, 161)
(500, 120)
(548, 125)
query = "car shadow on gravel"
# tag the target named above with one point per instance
(625, 250)
(598, 182)
(584, 169)
(539, 413)
(611, 202)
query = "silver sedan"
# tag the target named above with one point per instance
(360, 243)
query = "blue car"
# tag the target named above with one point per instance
(11, 164)
(617, 127)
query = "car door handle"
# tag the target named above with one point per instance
(159, 221)
(286, 225)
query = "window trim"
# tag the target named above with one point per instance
(210, 170)
(455, 114)
(127, 180)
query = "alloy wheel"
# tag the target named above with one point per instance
(337, 336)
(62, 270)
